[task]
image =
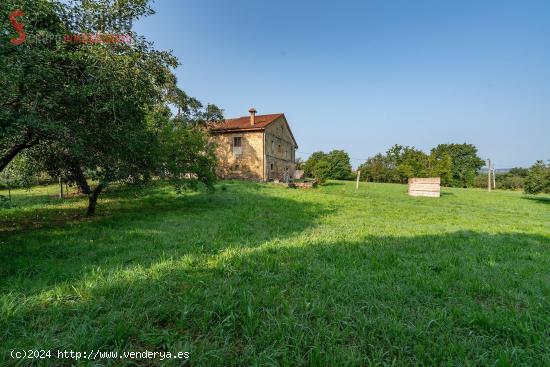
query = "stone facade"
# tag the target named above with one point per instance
(280, 151)
(264, 151)
(247, 163)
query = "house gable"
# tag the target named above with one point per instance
(255, 147)
(284, 131)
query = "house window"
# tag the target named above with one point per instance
(237, 145)
(271, 166)
(272, 146)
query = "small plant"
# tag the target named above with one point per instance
(5, 202)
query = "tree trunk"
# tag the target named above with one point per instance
(82, 183)
(60, 188)
(8, 157)
(80, 179)
(92, 200)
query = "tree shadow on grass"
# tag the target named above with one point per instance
(446, 193)
(449, 299)
(139, 231)
(538, 199)
(332, 183)
(40, 211)
(43, 211)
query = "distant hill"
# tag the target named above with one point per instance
(497, 170)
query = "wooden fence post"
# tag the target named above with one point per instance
(494, 176)
(60, 188)
(489, 175)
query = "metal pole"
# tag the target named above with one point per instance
(60, 188)
(494, 176)
(358, 178)
(489, 175)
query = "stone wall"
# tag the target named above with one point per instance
(245, 163)
(280, 151)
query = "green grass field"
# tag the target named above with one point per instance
(257, 275)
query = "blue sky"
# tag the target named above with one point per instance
(364, 75)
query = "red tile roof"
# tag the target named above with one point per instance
(243, 123)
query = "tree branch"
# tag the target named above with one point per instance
(12, 153)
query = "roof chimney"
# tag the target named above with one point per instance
(252, 116)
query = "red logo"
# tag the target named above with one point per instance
(19, 27)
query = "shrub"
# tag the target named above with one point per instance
(5, 202)
(538, 179)
(321, 171)
(510, 183)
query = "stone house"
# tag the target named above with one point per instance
(255, 147)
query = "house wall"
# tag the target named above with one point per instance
(280, 151)
(248, 164)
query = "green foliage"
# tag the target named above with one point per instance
(311, 162)
(465, 162)
(336, 165)
(82, 111)
(299, 162)
(36, 79)
(322, 170)
(480, 181)
(339, 165)
(411, 162)
(509, 182)
(504, 181)
(5, 202)
(398, 165)
(538, 179)
(532, 180)
(20, 172)
(402, 162)
(442, 167)
(455, 164)
(519, 172)
(186, 156)
(378, 169)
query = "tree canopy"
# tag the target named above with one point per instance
(400, 163)
(35, 76)
(99, 113)
(334, 165)
(538, 179)
(465, 162)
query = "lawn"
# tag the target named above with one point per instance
(256, 275)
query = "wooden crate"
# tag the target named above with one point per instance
(430, 187)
